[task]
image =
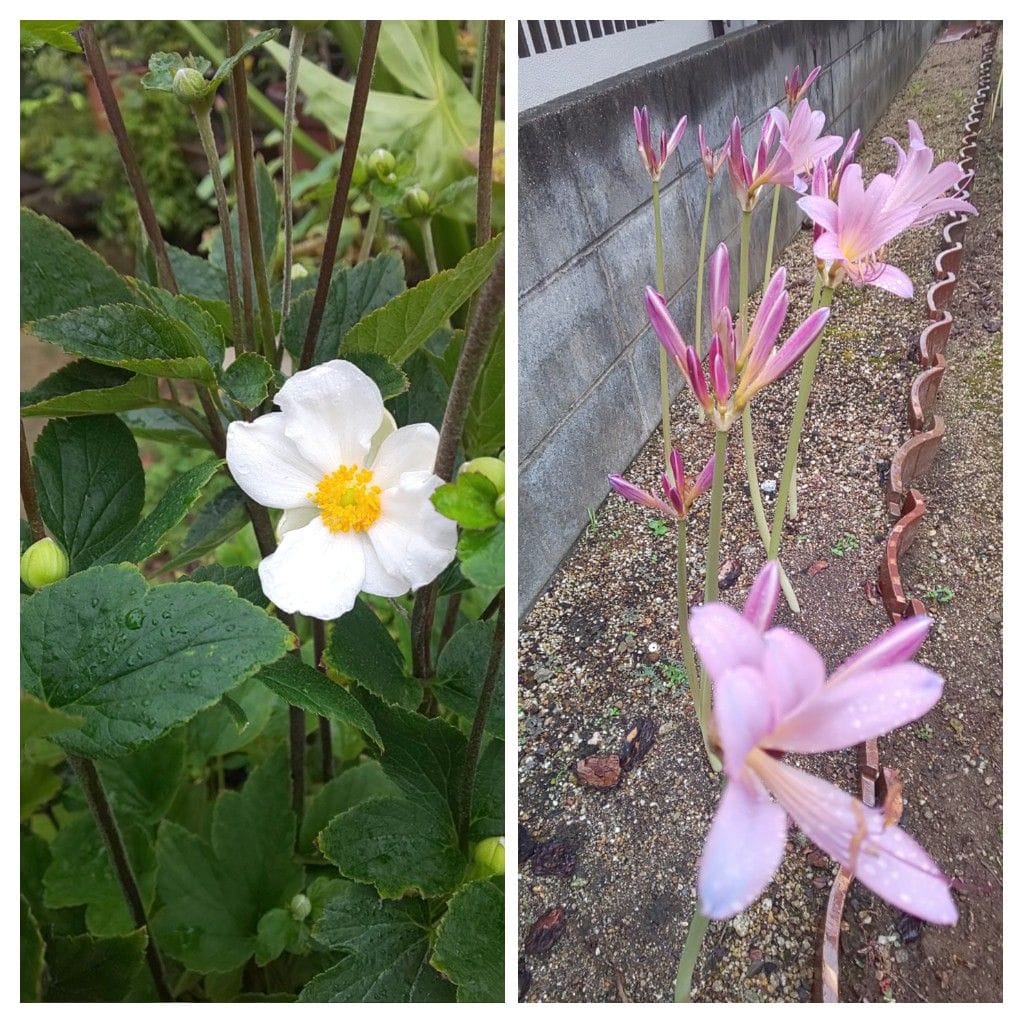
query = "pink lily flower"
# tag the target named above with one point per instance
(917, 183)
(655, 161)
(857, 226)
(718, 290)
(712, 161)
(748, 178)
(796, 89)
(771, 697)
(802, 140)
(736, 377)
(680, 493)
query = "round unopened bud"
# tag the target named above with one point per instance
(499, 506)
(190, 87)
(417, 201)
(359, 172)
(300, 907)
(43, 563)
(493, 469)
(381, 162)
(309, 26)
(489, 854)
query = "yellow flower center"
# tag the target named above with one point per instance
(347, 499)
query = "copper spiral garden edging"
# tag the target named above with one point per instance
(911, 461)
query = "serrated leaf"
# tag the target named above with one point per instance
(39, 720)
(83, 388)
(31, 956)
(469, 500)
(183, 492)
(50, 33)
(243, 579)
(214, 897)
(164, 66)
(453, 192)
(86, 969)
(354, 292)
(396, 845)
(488, 812)
(427, 397)
(484, 433)
(188, 310)
(276, 929)
(482, 556)
(59, 273)
(81, 873)
(351, 787)
(398, 329)
(253, 43)
(461, 669)
(387, 945)
(163, 425)
(142, 785)
(198, 277)
(361, 648)
(217, 521)
(246, 379)
(90, 483)
(131, 337)
(215, 732)
(388, 377)
(470, 946)
(302, 686)
(134, 661)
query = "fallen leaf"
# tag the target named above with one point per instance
(546, 931)
(815, 567)
(602, 771)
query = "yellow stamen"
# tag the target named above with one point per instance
(347, 499)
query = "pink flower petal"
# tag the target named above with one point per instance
(742, 852)
(897, 644)
(763, 599)
(743, 714)
(724, 639)
(794, 671)
(663, 324)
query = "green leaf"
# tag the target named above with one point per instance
(361, 648)
(135, 661)
(270, 223)
(91, 485)
(59, 273)
(427, 397)
(215, 732)
(252, 43)
(132, 337)
(215, 894)
(482, 554)
(246, 379)
(488, 813)
(396, 845)
(470, 946)
(39, 784)
(453, 192)
(243, 579)
(183, 492)
(50, 33)
(388, 377)
(217, 521)
(276, 929)
(484, 433)
(469, 500)
(388, 945)
(81, 873)
(85, 969)
(351, 787)
(39, 720)
(83, 388)
(142, 785)
(164, 66)
(164, 425)
(303, 686)
(461, 668)
(398, 329)
(198, 277)
(188, 310)
(354, 292)
(31, 956)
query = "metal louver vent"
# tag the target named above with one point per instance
(536, 37)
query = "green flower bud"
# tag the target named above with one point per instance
(489, 854)
(499, 506)
(190, 87)
(300, 907)
(43, 563)
(493, 469)
(381, 162)
(298, 270)
(359, 172)
(309, 26)
(417, 201)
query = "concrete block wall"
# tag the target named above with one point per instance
(588, 361)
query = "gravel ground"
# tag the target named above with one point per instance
(599, 649)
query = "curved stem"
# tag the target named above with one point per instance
(371, 231)
(771, 239)
(205, 126)
(715, 526)
(659, 261)
(694, 940)
(428, 245)
(291, 91)
(106, 823)
(810, 362)
(697, 325)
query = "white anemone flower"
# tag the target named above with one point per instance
(355, 490)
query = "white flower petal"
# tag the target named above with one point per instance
(332, 412)
(296, 519)
(412, 539)
(387, 427)
(315, 572)
(378, 580)
(267, 465)
(409, 449)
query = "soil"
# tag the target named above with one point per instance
(599, 649)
